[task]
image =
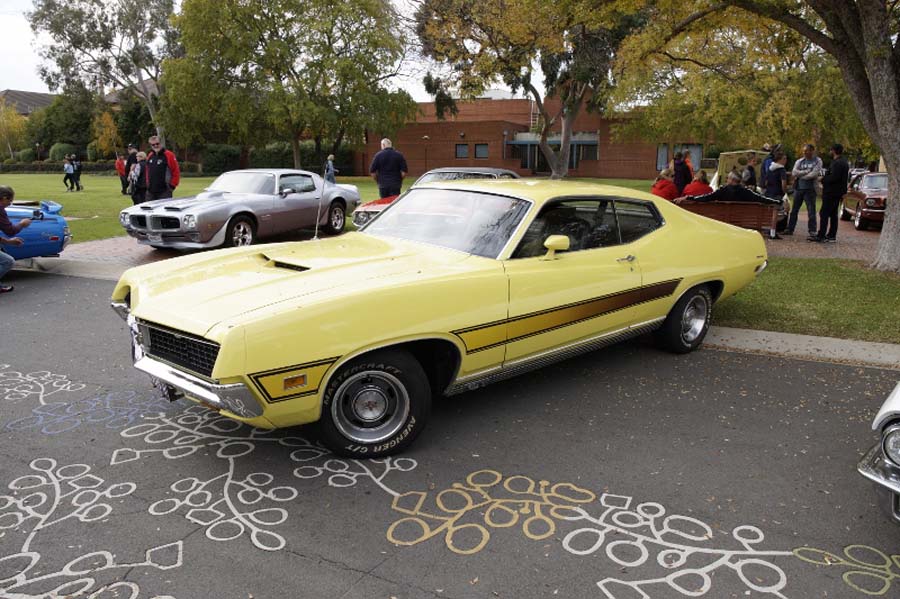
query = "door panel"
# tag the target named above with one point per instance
(298, 209)
(573, 297)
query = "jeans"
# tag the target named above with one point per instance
(828, 218)
(809, 197)
(6, 263)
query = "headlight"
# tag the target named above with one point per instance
(190, 221)
(360, 218)
(891, 443)
(871, 202)
(123, 218)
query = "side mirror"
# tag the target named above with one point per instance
(555, 243)
(286, 190)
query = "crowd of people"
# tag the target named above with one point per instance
(147, 177)
(679, 183)
(72, 173)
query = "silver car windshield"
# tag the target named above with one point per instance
(238, 182)
(452, 176)
(471, 222)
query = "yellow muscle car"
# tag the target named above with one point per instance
(454, 286)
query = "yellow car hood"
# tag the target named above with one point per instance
(197, 292)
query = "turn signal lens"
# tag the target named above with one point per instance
(292, 382)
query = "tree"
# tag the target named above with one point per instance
(67, 119)
(101, 43)
(487, 42)
(863, 37)
(106, 134)
(12, 127)
(133, 120)
(316, 68)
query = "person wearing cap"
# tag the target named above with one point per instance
(129, 163)
(834, 186)
(9, 231)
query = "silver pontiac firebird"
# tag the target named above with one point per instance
(241, 206)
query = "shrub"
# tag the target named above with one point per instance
(277, 154)
(92, 152)
(9, 161)
(47, 166)
(59, 151)
(218, 158)
(26, 155)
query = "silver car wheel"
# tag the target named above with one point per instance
(370, 406)
(694, 318)
(242, 234)
(337, 217)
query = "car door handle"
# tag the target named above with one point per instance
(628, 258)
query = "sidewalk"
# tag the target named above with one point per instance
(107, 259)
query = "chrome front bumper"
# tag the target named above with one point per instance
(172, 383)
(886, 476)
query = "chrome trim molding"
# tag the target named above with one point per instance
(523, 365)
(886, 476)
(236, 398)
(121, 308)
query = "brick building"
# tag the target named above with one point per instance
(498, 133)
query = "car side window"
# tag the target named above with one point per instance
(298, 183)
(636, 219)
(588, 223)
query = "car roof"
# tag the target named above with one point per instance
(492, 170)
(272, 171)
(540, 191)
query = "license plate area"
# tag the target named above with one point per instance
(164, 390)
(154, 237)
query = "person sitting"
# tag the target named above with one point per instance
(734, 191)
(665, 185)
(699, 186)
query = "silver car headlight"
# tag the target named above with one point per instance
(891, 443)
(361, 218)
(123, 218)
(190, 221)
(871, 202)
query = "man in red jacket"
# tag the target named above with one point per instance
(163, 173)
(120, 168)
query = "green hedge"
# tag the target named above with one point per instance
(100, 166)
(218, 158)
(60, 150)
(26, 155)
(280, 155)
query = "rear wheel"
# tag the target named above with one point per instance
(241, 231)
(337, 218)
(859, 223)
(375, 405)
(688, 322)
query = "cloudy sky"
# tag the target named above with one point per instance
(18, 69)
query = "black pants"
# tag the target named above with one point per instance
(138, 196)
(124, 181)
(158, 195)
(77, 179)
(388, 191)
(69, 181)
(828, 218)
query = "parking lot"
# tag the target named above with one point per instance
(625, 473)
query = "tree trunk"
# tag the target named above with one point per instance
(295, 148)
(244, 160)
(888, 255)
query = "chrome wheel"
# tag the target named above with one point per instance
(336, 218)
(693, 319)
(241, 234)
(370, 406)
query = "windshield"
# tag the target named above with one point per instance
(471, 222)
(452, 176)
(875, 182)
(244, 182)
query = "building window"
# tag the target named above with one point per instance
(662, 156)
(587, 152)
(462, 150)
(481, 150)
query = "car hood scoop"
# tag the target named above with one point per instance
(225, 286)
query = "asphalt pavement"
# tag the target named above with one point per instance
(625, 473)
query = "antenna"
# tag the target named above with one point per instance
(319, 210)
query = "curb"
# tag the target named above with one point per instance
(805, 347)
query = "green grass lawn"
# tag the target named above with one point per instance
(818, 296)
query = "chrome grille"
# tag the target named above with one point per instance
(139, 220)
(164, 222)
(181, 349)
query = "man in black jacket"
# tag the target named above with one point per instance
(734, 191)
(834, 186)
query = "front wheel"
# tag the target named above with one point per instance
(859, 223)
(241, 231)
(337, 217)
(375, 405)
(688, 322)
